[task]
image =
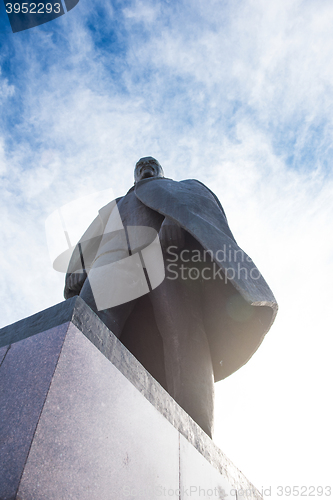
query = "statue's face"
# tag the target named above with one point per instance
(147, 167)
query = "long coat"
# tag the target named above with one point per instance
(248, 307)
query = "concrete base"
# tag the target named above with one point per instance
(82, 419)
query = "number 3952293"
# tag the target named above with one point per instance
(32, 8)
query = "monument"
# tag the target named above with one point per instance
(212, 307)
(109, 394)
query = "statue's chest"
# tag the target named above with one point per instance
(135, 213)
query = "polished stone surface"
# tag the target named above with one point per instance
(25, 376)
(41, 321)
(198, 477)
(3, 352)
(98, 437)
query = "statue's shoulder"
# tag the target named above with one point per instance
(203, 187)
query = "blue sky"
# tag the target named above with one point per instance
(238, 94)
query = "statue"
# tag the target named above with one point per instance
(212, 309)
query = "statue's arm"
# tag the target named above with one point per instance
(82, 258)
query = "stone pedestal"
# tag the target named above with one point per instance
(82, 419)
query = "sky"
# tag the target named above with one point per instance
(235, 93)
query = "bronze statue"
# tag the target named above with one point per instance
(210, 312)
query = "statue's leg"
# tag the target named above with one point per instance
(115, 317)
(188, 365)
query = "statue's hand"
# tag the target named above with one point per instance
(74, 283)
(171, 234)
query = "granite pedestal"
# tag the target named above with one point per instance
(82, 419)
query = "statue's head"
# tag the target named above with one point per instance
(147, 167)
